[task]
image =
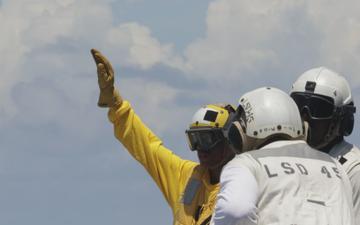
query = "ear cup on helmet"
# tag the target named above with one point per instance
(237, 137)
(347, 124)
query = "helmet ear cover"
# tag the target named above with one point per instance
(342, 123)
(347, 119)
(237, 137)
(235, 132)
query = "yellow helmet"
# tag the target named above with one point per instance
(210, 116)
(206, 128)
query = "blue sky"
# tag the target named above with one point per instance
(59, 161)
(170, 21)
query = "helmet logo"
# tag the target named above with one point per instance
(310, 86)
(248, 110)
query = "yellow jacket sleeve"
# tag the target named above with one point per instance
(166, 168)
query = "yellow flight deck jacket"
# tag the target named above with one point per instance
(184, 184)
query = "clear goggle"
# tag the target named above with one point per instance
(204, 139)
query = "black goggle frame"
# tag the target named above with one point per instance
(318, 107)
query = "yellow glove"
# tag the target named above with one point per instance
(109, 96)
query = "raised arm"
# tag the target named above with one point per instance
(164, 167)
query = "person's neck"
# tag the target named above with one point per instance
(214, 173)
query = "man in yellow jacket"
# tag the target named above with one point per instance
(190, 188)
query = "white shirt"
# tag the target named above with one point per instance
(285, 182)
(349, 156)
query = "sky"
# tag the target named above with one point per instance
(59, 161)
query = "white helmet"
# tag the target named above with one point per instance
(264, 114)
(325, 82)
(326, 96)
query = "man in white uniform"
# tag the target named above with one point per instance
(284, 182)
(326, 104)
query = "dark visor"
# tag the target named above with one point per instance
(319, 107)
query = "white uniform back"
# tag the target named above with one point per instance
(349, 156)
(297, 186)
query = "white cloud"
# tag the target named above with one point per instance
(339, 24)
(11, 51)
(237, 37)
(132, 44)
(245, 37)
(43, 38)
(155, 103)
(29, 27)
